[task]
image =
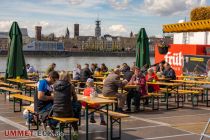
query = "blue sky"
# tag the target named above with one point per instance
(119, 17)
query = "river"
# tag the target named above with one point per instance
(68, 63)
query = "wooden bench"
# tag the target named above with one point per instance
(20, 97)
(67, 122)
(2, 84)
(194, 88)
(181, 94)
(152, 96)
(180, 91)
(115, 118)
(32, 112)
(10, 90)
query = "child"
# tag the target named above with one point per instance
(90, 90)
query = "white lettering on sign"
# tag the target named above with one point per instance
(174, 59)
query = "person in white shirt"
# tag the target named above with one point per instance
(30, 69)
(76, 72)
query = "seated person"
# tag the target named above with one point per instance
(110, 88)
(125, 67)
(137, 79)
(104, 68)
(64, 96)
(43, 100)
(98, 72)
(144, 69)
(85, 73)
(93, 67)
(169, 72)
(87, 92)
(30, 69)
(128, 74)
(160, 66)
(152, 77)
(76, 72)
(50, 68)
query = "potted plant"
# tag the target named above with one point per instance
(163, 48)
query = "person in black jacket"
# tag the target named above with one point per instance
(128, 74)
(64, 97)
(85, 73)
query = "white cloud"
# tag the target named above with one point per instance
(117, 29)
(75, 2)
(203, 2)
(79, 3)
(5, 25)
(170, 7)
(119, 4)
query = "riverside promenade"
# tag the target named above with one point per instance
(179, 124)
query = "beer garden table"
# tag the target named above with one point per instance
(101, 78)
(32, 86)
(169, 88)
(192, 77)
(21, 82)
(90, 101)
(3, 84)
(1, 77)
(206, 86)
(191, 82)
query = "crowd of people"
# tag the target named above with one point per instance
(56, 94)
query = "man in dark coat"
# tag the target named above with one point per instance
(85, 73)
(110, 88)
(169, 72)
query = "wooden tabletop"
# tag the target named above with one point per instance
(164, 83)
(34, 85)
(192, 81)
(74, 81)
(99, 83)
(95, 100)
(33, 74)
(21, 81)
(1, 77)
(130, 86)
(193, 77)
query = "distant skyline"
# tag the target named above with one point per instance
(119, 17)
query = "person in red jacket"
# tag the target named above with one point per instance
(91, 91)
(152, 77)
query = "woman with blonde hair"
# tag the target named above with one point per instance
(64, 97)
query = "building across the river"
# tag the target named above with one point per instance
(105, 43)
(4, 39)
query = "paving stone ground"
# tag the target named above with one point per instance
(179, 124)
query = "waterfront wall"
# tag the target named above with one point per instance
(79, 54)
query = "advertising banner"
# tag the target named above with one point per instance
(175, 55)
(196, 64)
